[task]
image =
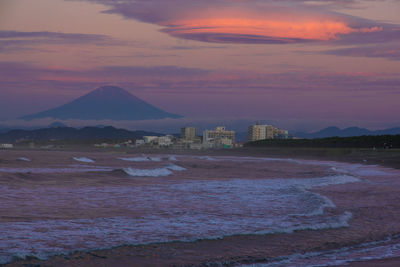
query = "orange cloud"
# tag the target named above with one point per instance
(305, 30)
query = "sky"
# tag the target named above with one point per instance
(299, 64)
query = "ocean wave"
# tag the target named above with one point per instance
(156, 172)
(375, 250)
(83, 159)
(56, 170)
(24, 159)
(141, 159)
(106, 233)
(175, 167)
(147, 172)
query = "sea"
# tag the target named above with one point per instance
(69, 203)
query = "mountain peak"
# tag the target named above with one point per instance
(104, 90)
(105, 103)
(110, 93)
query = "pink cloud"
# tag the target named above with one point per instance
(250, 21)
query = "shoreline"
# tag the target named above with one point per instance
(230, 250)
(383, 157)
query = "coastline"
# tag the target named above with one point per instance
(244, 249)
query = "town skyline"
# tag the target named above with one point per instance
(302, 65)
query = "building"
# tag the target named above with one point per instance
(165, 141)
(219, 137)
(149, 139)
(261, 132)
(256, 132)
(281, 134)
(188, 133)
(6, 146)
(139, 142)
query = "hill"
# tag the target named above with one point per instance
(347, 132)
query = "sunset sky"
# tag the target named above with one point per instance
(302, 65)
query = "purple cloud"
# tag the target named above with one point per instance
(16, 40)
(17, 75)
(179, 80)
(389, 51)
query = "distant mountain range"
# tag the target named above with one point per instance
(105, 103)
(64, 133)
(347, 132)
(4, 129)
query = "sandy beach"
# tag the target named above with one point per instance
(365, 238)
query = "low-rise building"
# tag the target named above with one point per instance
(6, 146)
(149, 139)
(139, 142)
(220, 137)
(164, 141)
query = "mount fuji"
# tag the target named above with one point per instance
(105, 103)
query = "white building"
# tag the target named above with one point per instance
(165, 140)
(149, 139)
(6, 146)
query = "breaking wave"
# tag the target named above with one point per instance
(83, 159)
(156, 172)
(175, 167)
(147, 172)
(23, 159)
(375, 250)
(141, 159)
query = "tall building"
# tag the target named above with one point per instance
(219, 137)
(261, 132)
(256, 132)
(188, 133)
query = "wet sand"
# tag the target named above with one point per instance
(375, 208)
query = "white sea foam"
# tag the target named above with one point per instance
(135, 159)
(148, 172)
(141, 159)
(23, 159)
(248, 159)
(338, 257)
(156, 172)
(174, 167)
(83, 159)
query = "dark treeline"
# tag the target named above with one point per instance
(366, 141)
(68, 133)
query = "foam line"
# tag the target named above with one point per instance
(83, 159)
(23, 159)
